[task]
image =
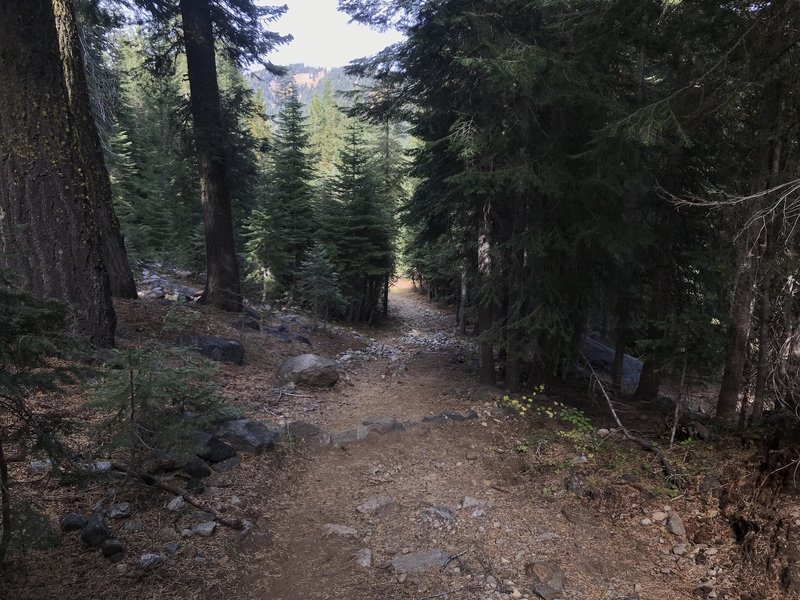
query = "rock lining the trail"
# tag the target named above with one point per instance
(420, 561)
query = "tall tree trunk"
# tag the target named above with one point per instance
(463, 302)
(48, 234)
(618, 369)
(738, 335)
(649, 381)
(98, 184)
(485, 305)
(223, 288)
(733, 379)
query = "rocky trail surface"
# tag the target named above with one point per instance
(446, 508)
(405, 480)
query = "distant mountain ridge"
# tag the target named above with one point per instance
(309, 81)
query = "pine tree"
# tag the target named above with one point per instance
(318, 284)
(282, 230)
(357, 226)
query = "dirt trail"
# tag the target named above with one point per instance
(520, 516)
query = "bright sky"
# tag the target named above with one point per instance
(323, 37)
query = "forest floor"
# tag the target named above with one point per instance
(490, 506)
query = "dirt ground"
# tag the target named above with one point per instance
(605, 541)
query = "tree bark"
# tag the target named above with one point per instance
(649, 381)
(485, 305)
(98, 184)
(223, 288)
(618, 369)
(49, 237)
(463, 303)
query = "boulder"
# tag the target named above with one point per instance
(72, 522)
(212, 449)
(196, 468)
(249, 435)
(309, 369)
(376, 505)
(421, 561)
(601, 357)
(215, 348)
(119, 510)
(111, 547)
(96, 531)
(148, 562)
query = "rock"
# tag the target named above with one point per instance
(472, 455)
(228, 464)
(249, 435)
(206, 529)
(133, 525)
(675, 525)
(348, 436)
(148, 562)
(172, 548)
(96, 531)
(446, 418)
(546, 592)
(470, 502)
(303, 430)
(177, 504)
(711, 486)
(574, 483)
(309, 369)
(433, 513)
(102, 466)
(646, 522)
(119, 510)
(547, 536)
(196, 468)
(660, 516)
(547, 575)
(111, 547)
(603, 433)
(376, 505)
(680, 549)
(72, 522)
(364, 558)
(39, 467)
(214, 450)
(601, 357)
(421, 561)
(383, 425)
(187, 533)
(215, 348)
(196, 486)
(340, 530)
(202, 516)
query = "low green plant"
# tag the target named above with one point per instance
(580, 431)
(156, 399)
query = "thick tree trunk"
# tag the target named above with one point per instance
(98, 184)
(49, 237)
(223, 288)
(738, 336)
(485, 305)
(649, 381)
(733, 379)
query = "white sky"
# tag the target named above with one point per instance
(322, 35)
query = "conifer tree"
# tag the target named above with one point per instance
(318, 284)
(358, 227)
(282, 230)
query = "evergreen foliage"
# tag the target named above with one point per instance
(318, 284)
(281, 231)
(357, 226)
